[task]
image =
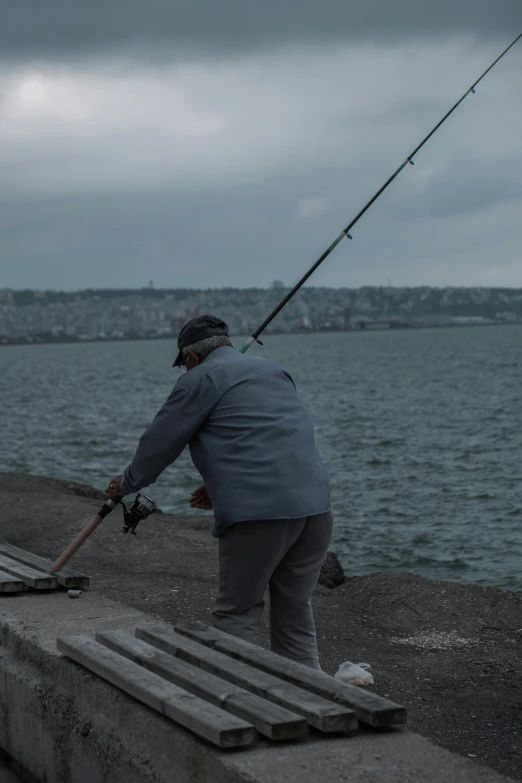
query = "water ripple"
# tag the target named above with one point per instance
(421, 431)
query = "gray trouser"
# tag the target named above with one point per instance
(286, 555)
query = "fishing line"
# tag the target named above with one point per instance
(346, 231)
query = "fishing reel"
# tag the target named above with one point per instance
(142, 507)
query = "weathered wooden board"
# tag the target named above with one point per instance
(204, 719)
(271, 720)
(65, 578)
(10, 583)
(369, 707)
(319, 713)
(38, 580)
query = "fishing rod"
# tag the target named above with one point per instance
(346, 232)
(141, 508)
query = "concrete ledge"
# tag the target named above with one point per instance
(64, 725)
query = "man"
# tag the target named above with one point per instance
(251, 439)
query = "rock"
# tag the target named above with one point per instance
(332, 574)
(23, 485)
(322, 590)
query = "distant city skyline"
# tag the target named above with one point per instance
(274, 284)
(39, 316)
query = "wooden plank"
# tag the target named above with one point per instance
(66, 578)
(10, 583)
(369, 707)
(319, 713)
(38, 580)
(269, 719)
(200, 717)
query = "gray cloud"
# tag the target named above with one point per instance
(199, 28)
(217, 162)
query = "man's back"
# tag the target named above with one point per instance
(252, 440)
(255, 448)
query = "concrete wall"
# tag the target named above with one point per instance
(65, 725)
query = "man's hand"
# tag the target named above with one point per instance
(200, 499)
(114, 488)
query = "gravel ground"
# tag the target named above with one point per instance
(451, 653)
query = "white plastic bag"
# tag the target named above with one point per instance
(354, 673)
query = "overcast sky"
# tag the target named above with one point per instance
(198, 143)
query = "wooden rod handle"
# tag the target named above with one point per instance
(73, 547)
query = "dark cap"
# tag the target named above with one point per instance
(199, 329)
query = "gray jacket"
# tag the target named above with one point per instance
(250, 437)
